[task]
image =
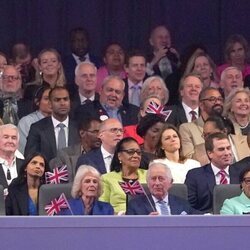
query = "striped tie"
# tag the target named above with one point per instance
(223, 179)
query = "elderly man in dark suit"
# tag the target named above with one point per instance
(9, 162)
(201, 181)
(159, 201)
(110, 104)
(54, 132)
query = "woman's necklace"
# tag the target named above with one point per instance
(244, 126)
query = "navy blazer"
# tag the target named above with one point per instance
(200, 183)
(93, 158)
(141, 206)
(77, 208)
(128, 112)
(42, 138)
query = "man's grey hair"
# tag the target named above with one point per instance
(156, 163)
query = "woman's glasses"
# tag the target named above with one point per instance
(132, 151)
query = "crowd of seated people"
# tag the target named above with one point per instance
(135, 125)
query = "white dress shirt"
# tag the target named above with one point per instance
(107, 157)
(218, 176)
(187, 110)
(77, 58)
(83, 98)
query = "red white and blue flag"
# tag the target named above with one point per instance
(132, 188)
(154, 108)
(58, 175)
(55, 206)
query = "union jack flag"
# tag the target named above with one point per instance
(130, 188)
(154, 108)
(58, 175)
(55, 206)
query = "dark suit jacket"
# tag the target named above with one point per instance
(241, 165)
(200, 183)
(128, 112)
(42, 138)
(99, 208)
(3, 180)
(67, 156)
(140, 206)
(69, 65)
(178, 115)
(16, 202)
(93, 158)
(75, 101)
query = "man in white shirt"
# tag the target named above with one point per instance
(159, 201)
(9, 163)
(110, 133)
(55, 132)
(188, 108)
(135, 67)
(201, 181)
(85, 79)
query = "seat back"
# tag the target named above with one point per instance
(223, 192)
(48, 192)
(179, 190)
(2, 202)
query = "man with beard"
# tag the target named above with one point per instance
(79, 44)
(110, 104)
(201, 181)
(210, 103)
(89, 140)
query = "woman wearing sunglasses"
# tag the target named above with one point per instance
(124, 169)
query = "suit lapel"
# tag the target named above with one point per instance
(3, 180)
(181, 114)
(100, 161)
(22, 197)
(50, 135)
(210, 178)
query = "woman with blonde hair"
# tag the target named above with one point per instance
(86, 190)
(237, 108)
(202, 64)
(49, 72)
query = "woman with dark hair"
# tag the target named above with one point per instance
(169, 152)
(22, 198)
(239, 204)
(124, 168)
(149, 128)
(42, 109)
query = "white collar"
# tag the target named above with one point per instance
(216, 170)
(56, 122)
